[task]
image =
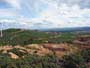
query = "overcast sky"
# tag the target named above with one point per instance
(45, 13)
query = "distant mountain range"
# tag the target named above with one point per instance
(67, 29)
(29, 27)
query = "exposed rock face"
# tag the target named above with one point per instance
(6, 47)
(14, 56)
(38, 49)
(19, 47)
(36, 46)
(83, 42)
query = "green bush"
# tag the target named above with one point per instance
(86, 54)
(73, 61)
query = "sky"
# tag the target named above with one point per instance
(40, 14)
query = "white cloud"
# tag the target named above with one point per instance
(66, 16)
(58, 13)
(11, 12)
(14, 3)
(6, 13)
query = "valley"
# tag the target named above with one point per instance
(34, 49)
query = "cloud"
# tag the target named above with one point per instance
(14, 3)
(81, 3)
(66, 16)
(12, 11)
(4, 13)
(49, 13)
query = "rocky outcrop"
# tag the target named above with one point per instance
(14, 56)
(39, 49)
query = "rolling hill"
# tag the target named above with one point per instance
(24, 37)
